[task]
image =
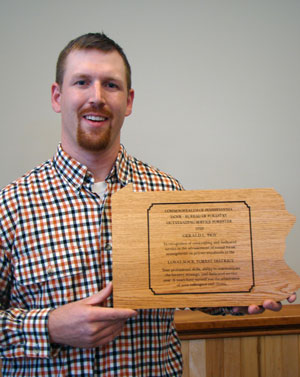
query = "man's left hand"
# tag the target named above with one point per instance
(268, 304)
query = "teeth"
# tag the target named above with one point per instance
(94, 118)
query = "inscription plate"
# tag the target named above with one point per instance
(200, 248)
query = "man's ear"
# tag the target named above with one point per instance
(56, 97)
(129, 102)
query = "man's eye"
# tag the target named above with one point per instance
(112, 85)
(81, 82)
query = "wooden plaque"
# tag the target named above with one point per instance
(200, 248)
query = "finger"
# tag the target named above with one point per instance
(255, 309)
(106, 332)
(240, 309)
(100, 296)
(112, 315)
(292, 298)
(99, 335)
(251, 309)
(272, 305)
(107, 338)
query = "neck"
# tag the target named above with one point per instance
(98, 163)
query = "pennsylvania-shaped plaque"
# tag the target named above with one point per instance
(200, 248)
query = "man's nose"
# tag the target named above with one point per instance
(97, 94)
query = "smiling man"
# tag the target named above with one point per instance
(93, 99)
(56, 306)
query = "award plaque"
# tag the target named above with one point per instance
(200, 248)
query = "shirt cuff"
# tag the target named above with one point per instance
(36, 335)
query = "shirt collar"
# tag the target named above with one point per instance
(69, 169)
(121, 170)
(77, 174)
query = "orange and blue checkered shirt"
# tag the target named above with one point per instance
(55, 248)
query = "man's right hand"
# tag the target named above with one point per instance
(86, 323)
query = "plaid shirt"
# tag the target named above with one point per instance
(55, 248)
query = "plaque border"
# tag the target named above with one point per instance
(200, 293)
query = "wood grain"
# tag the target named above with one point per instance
(197, 358)
(215, 358)
(232, 357)
(200, 248)
(230, 353)
(250, 356)
(195, 324)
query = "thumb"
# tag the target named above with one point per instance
(99, 297)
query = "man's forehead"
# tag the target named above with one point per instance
(94, 59)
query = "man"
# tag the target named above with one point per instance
(56, 313)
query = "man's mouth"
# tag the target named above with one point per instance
(95, 118)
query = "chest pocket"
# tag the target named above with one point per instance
(51, 278)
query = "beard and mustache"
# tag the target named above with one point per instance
(97, 139)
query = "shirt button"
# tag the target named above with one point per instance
(108, 247)
(50, 271)
(36, 350)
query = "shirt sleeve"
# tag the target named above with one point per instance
(25, 333)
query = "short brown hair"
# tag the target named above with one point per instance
(97, 41)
